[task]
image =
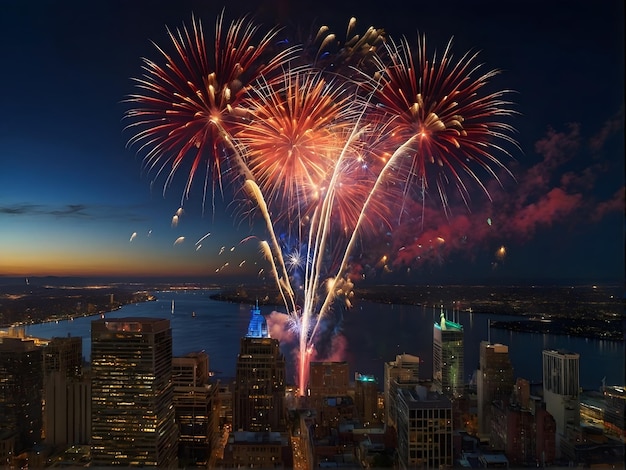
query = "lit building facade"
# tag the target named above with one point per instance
(494, 382)
(448, 354)
(424, 426)
(403, 372)
(132, 395)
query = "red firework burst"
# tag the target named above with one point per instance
(185, 108)
(294, 137)
(439, 119)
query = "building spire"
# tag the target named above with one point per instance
(257, 328)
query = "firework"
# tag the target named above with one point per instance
(439, 121)
(353, 56)
(326, 159)
(184, 109)
(293, 138)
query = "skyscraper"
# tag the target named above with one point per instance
(67, 394)
(196, 407)
(448, 372)
(494, 382)
(21, 383)
(561, 388)
(259, 390)
(132, 395)
(366, 398)
(401, 373)
(424, 424)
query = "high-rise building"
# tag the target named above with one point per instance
(132, 395)
(67, 394)
(494, 382)
(561, 389)
(259, 391)
(196, 407)
(366, 398)
(401, 373)
(561, 372)
(424, 425)
(448, 372)
(21, 382)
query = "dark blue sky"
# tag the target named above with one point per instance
(72, 195)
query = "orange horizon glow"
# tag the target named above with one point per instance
(107, 264)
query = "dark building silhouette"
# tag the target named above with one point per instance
(526, 436)
(329, 384)
(366, 399)
(494, 382)
(64, 355)
(67, 394)
(21, 382)
(196, 407)
(328, 379)
(132, 394)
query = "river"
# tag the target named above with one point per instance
(374, 334)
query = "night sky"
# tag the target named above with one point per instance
(74, 199)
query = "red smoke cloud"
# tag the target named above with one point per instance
(558, 189)
(329, 346)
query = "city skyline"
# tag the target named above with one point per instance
(74, 201)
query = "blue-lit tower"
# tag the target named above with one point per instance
(257, 328)
(260, 382)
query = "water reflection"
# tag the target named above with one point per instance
(375, 333)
